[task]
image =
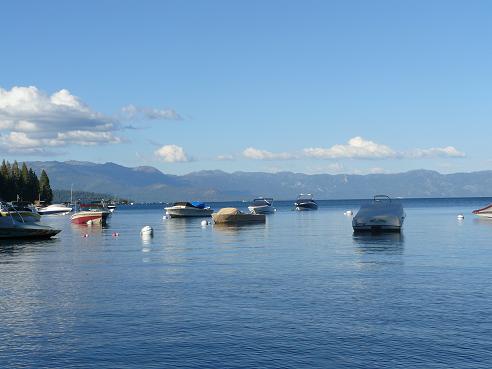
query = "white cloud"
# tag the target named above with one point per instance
(359, 148)
(132, 111)
(356, 148)
(225, 157)
(252, 153)
(32, 120)
(448, 151)
(171, 154)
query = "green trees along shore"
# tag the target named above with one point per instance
(23, 183)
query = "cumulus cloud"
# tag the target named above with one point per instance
(171, 154)
(359, 148)
(448, 151)
(252, 153)
(225, 157)
(131, 111)
(32, 121)
(356, 147)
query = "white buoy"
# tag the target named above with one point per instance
(205, 223)
(90, 222)
(460, 216)
(147, 231)
(348, 213)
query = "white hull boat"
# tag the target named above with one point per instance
(54, 209)
(485, 212)
(305, 202)
(188, 210)
(262, 205)
(380, 215)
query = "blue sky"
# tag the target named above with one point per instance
(306, 86)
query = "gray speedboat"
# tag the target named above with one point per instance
(14, 225)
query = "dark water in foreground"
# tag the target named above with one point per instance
(298, 292)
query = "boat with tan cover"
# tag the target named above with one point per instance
(235, 216)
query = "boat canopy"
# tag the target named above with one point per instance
(305, 196)
(194, 204)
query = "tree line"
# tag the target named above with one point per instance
(23, 183)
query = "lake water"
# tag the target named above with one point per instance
(300, 291)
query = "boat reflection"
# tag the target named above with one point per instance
(18, 246)
(371, 243)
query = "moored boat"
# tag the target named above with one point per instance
(382, 214)
(55, 209)
(185, 209)
(14, 225)
(92, 213)
(262, 205)
(485, 212)
(305, 202)
(235, 216)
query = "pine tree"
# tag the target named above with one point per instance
(25, 191)
(44, 188)
(33, 186)
(16, 180)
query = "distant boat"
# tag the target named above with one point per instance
(485, 212)
(305, 202)
(92, 213)
(233, 216)
(188, 209)
(55, 209)
(14, 225)
(382, 214)
(262, 205)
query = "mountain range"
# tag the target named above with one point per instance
(148, 184)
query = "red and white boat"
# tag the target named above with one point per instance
(94, 213)
(485, 212)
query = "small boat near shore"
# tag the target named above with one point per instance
(305, 202)
(485, 212)
(233, 216)
(382, 214)
(92, 213)
(185, 209)
(14, 225)
(54, 209)
(262, 205)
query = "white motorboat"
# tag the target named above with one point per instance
(187, 210)
(14, 225)
(485, 212)
(55, 209)
(382, 214)
(262, 205)
(305, 202)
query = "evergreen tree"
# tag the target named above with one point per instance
(44, 187)
(33, 186)
(25, 191)
(16, 180)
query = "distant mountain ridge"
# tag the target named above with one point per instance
(149, 184)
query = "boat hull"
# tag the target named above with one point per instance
(263, 209)
(27, 230)
(186, 212)
(306, 206)
(91, 217)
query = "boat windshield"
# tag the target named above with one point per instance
(262, 201)
(305, 196)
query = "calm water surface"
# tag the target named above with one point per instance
(298, 292)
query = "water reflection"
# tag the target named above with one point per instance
(390, 243)
(18, 246)
(483, 221)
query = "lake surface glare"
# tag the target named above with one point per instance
(300, 291)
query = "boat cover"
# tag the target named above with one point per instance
(234, 216)
(198, 204)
